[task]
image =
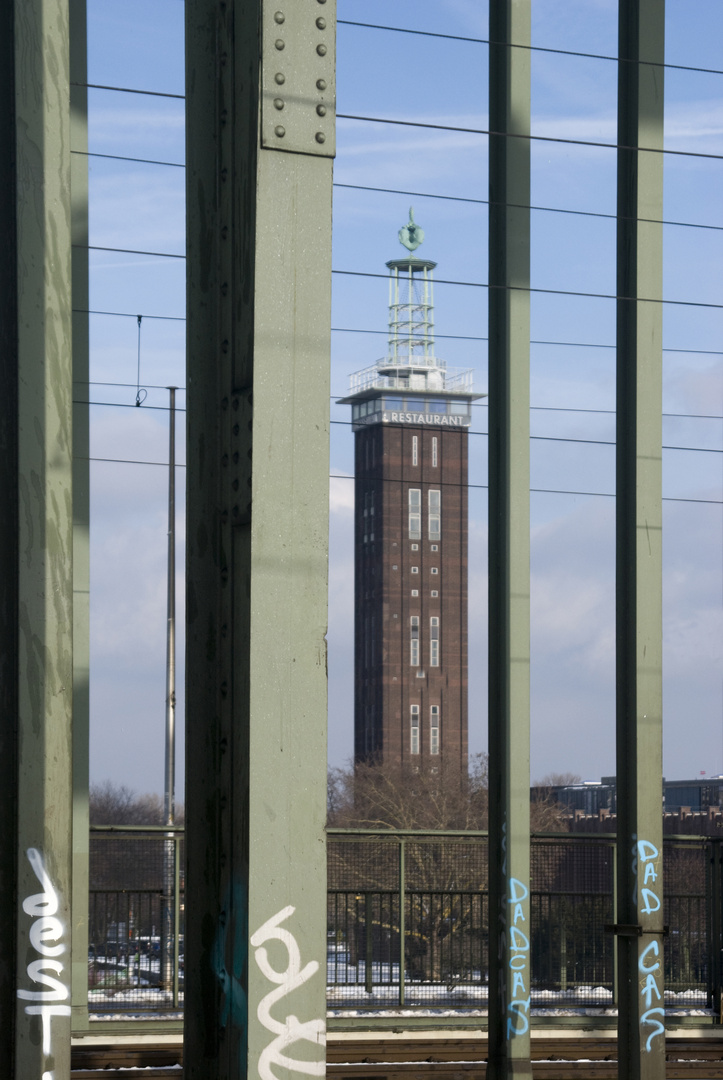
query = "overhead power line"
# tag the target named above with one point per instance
(531, 138)
(526, 48)
(480, 487)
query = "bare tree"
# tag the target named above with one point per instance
(117, 804)
(375, 795)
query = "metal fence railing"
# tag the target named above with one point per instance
(135, 919)
(408, 921)
(430, 892)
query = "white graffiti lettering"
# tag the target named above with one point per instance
(290, 1030)
(44, 906)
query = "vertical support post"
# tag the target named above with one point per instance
(260, 138)
(36, 539)
(641, 1015)
(81, 511)
(169, 932)
(509, 540)
(368, 942)
(715, 922)
(177, 839)
(402, 920)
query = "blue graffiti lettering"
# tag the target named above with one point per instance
(651, 901)
(518, 1010)
(659, 1026)
(647, 851)
(649, 989)
(518, 891)
(655, 949)
(519, 942)
(650, 874)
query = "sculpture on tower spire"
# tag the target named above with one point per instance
(411, 235)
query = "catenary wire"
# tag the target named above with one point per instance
(442, 483)
(527, 48)
(530, 206)
(543, 292)
(128, 90)
(334, 399)
(428, 195)
(125, 157)
(347, 330)
(347, 423)
(528, 136)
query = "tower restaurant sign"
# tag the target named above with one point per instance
(430, 419)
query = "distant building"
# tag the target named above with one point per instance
(410, 416)
(591, 797)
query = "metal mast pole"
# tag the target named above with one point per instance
(169, 847)
(509, 541)
(170, 771)
(641, 1013)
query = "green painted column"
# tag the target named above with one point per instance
(509, 540)
(81, 509)
(36, 663)
(641, 1020)
(260, 97)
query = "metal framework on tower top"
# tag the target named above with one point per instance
(410, 363)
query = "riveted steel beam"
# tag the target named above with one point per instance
(509, 540)
(259, 248)
(81, 510)
(641, 1016)
(36, 664)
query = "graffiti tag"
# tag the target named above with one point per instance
(45, 937)
(290, 1030)
(646, 863)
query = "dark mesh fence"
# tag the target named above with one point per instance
(429, 892)
(687, 913)
(135, 920)
(571, 900)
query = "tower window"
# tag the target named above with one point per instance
(434, 570)
(434, 641)
(415, 569)
(434, 729)
(415, 547)
(415, 514)
(415, 449)
(435, 514)
(415, 592)
(414, 641)
(414, 729)
(434, 451)
(434, 593)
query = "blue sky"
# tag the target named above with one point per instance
(381, 74)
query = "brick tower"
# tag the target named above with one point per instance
(410, 416)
